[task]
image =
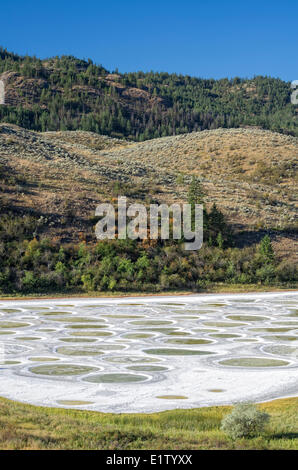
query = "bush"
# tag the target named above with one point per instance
(244, 421)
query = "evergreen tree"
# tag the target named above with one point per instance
(219, 240)
(195, 192)
(266, 251)
(195, 196)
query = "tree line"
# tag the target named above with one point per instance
(71, 94)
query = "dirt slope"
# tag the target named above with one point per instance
(61, 176)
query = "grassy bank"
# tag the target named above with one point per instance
(29, 427)
(219, 288)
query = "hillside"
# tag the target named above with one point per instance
(65, 93)
(60, 177)
(26, 427)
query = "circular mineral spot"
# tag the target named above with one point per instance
(78, 340)
(201, 312)
(77, 320)
(170, 303)
(176, 352)
(115, 378)
(181, 311)
(49, 314)
(281, 338)
(186, 317)
(62, 369)
(223, 324)
(151, 322)
(281, 350)
(64, 305)
(37, 308)
(253, 362)
(148, 368)
(9, 363)
(10, 310)
(165, 331)
(92, 333)
(215, 305)
(43, 359)
(85, 327)
(112, 347)
(204, 330)
(250, 308)
(74, 402)
(77, 351)
(172, 397)
(13, 324)
(246, 318)
(293, 314)
(95, 306)
(179, 333)
(47, 330)
(137, 335)
(130, 359)
(188, 341)
(224, 335)
(272, 330)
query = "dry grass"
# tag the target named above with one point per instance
(28, 427)
(249, 173)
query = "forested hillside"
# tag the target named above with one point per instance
(65, 93)
(54, 172)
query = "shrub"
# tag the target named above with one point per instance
(266, 273)
(245, 420)
(266, 251)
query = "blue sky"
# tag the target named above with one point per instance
(201, 38)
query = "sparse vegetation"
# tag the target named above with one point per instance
(29, 427)
(43, 266)
(245, 420)
(63, 176)
(52, 216)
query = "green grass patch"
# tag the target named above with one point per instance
(30, 427)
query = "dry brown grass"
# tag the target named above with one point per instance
(249, 173)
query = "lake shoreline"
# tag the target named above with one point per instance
(247, 380)
(220, 289)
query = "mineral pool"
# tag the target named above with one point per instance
(149, 353)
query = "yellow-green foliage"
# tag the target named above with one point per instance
(245, 420)
(28, 427)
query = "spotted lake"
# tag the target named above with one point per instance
(149, 353)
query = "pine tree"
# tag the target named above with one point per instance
(195, 196)
(266, 250)
(219, 240)
(195, 192)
